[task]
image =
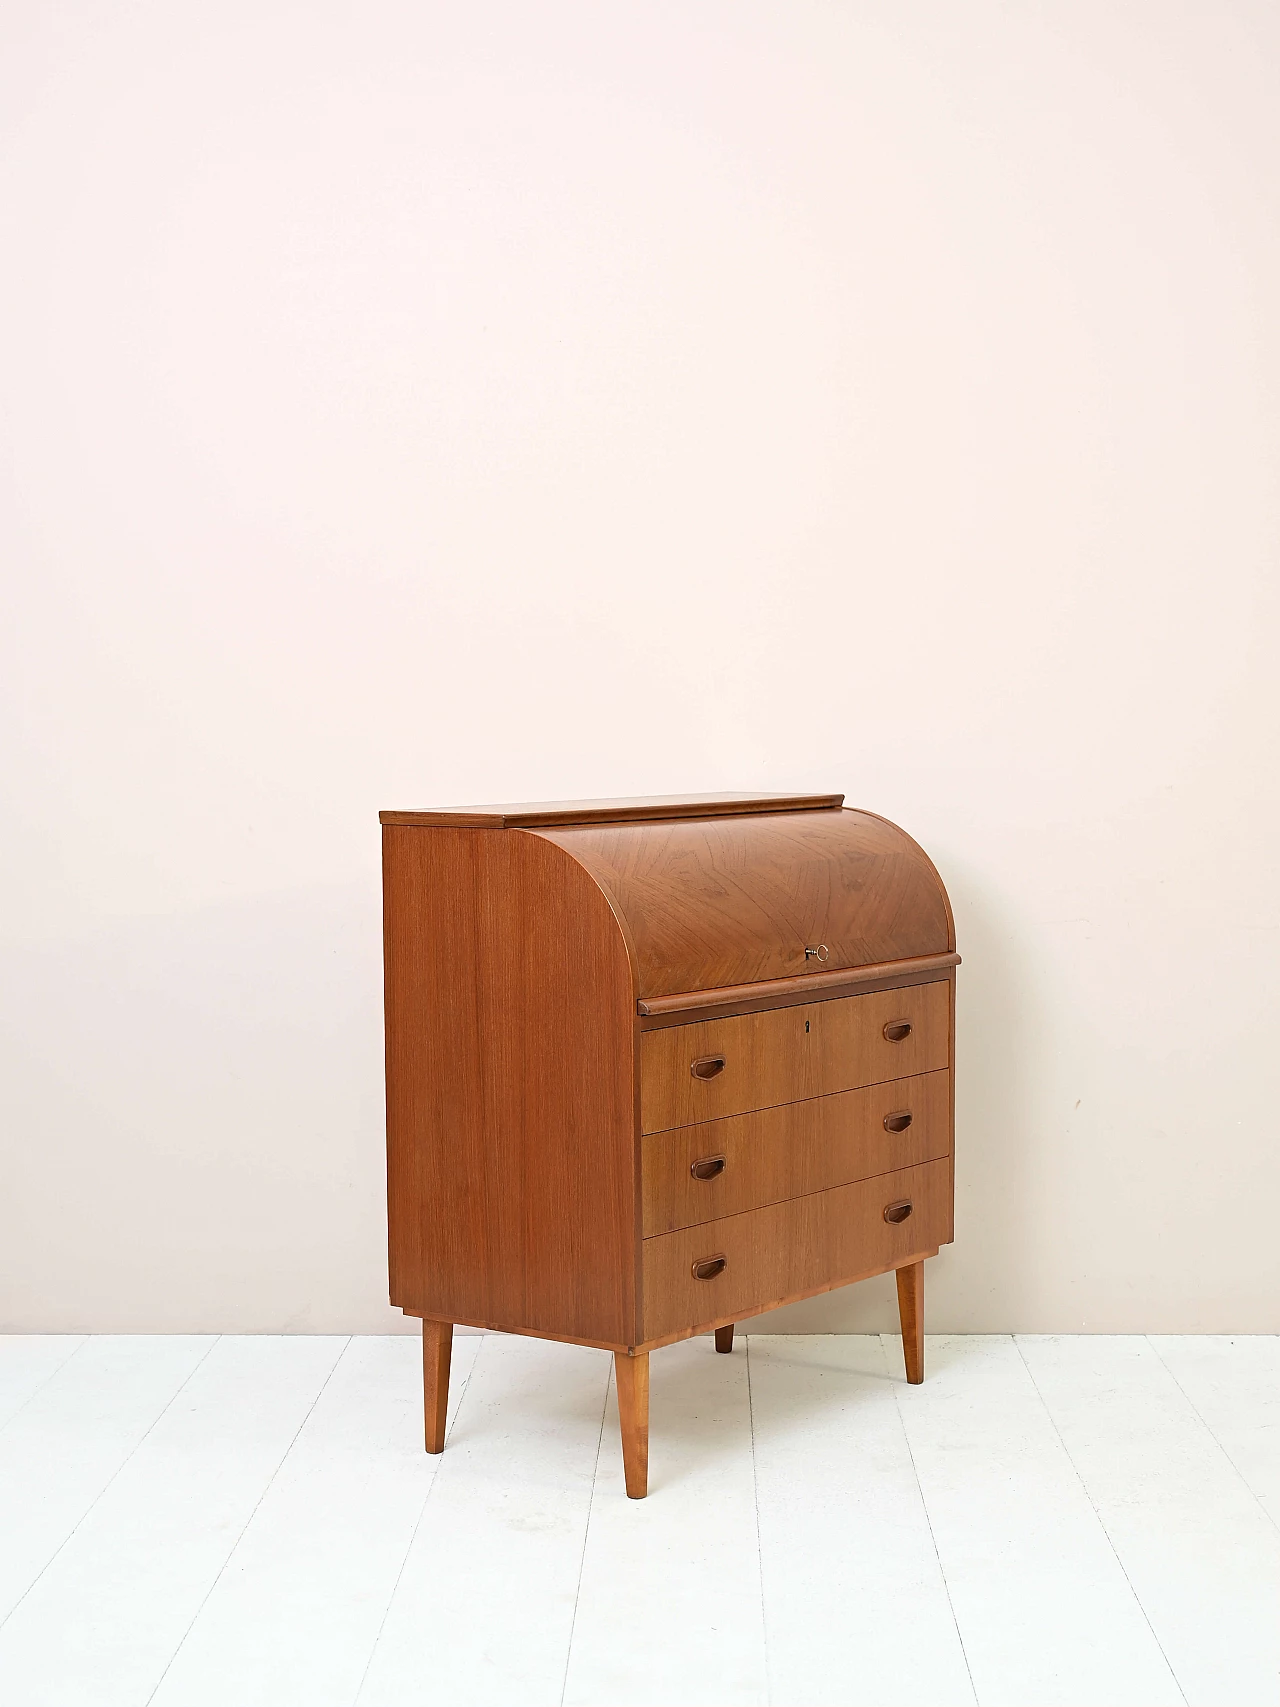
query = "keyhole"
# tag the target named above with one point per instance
(806, 1025)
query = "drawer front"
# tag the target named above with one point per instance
(722, 1167)
(690, 1073)
(790, 1248)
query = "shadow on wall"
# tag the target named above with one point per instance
(193, 1111)
(998, 1024)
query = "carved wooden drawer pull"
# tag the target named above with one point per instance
(709, 1268)
(897, 1030)
(897, 1212)
(898, 1122)
(708, 1167)
(707, 1066)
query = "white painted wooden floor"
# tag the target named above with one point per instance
(1047, 1520)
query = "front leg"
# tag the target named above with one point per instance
(911, 1313)
(437, 1349)
(632, 1375)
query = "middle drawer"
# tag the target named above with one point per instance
(720, 1167)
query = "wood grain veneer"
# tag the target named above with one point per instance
(785, 1054)
(788, 1248)
(910, 1281)
(657, 1066)
(723, 901)
(437, 1354)
(631, 1377)
(698, 1173)
(688, 1005)
(624, 811)
(511, 1165)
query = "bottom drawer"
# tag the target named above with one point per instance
(790, 1248)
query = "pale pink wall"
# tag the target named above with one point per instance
(408, 403)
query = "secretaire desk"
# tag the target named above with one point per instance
(654, 1066)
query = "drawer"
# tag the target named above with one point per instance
(721, 1167)
(690, 1073)
(791, 1248)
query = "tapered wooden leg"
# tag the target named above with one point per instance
(633, 1414)
(724, 1338)
(911, 1311)
(437, 1347)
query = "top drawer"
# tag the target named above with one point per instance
(729, 1066)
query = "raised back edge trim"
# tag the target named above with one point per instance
(626, 811)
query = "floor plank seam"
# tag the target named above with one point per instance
(186, 1459)
(924, 1506)
(136, 1447)
(586, 1532)
(248, 1520)
(755, 1495)
(1137, 1599)
(74, 1352)
(1213, 1436)
(422, 1512)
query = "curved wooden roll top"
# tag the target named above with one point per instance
(712, 904)
(727, 899)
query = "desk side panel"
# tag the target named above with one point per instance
(511, 1142)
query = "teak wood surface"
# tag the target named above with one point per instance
(775, 1153)
(687, 1005)
(511, 1157)
(786, 1054)
(657, 1066)
(789, 1248)
(631, 1375)
(658, 1341)
(725, 901)
(635, 809)
(437, 1354)
(911, 1313)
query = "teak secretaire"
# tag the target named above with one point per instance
(654, 1066)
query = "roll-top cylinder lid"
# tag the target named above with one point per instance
(719, 891)
(717, 902)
